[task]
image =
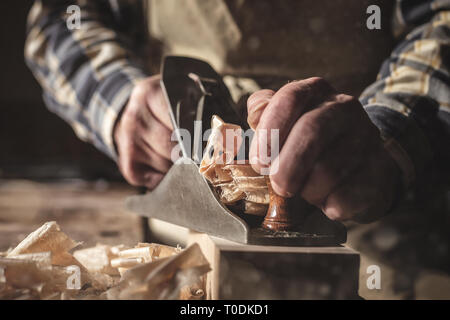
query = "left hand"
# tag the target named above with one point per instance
(330, 151)
(143, 135)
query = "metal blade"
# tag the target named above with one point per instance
(195, 92)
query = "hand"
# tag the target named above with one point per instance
(330, 151)
(142, 135)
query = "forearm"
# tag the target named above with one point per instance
(410, 101)
(87, 74)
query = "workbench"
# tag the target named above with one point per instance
(93, 212)
(90, 212)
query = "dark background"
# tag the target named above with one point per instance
(35, 143)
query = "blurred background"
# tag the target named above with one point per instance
(35, 143)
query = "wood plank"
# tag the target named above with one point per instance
(269, 272)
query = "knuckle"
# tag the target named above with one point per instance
(284, 103)
(153, 85)
(140, 89)
(146, 87)
(259, 98)
(131, 112)
(318, 85)
(131, 116)
(316, 81)
(305, 92)
(335, 214)
(129, 173)
(309, 126)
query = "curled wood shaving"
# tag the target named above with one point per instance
(234, 181)
(223, 144)
(48, 238)
(166, 278)
(257, 209)
(147, 271)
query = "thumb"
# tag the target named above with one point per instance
(256, 104)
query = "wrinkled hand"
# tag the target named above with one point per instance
(330, 151)
(142, 135)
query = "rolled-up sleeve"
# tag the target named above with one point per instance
(87, 73)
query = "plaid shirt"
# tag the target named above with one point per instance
(87, 74)
(410, 101)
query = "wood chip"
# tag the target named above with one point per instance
(148, 270)
(233, 181)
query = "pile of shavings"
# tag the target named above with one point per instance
(43, 267)
(236, 183)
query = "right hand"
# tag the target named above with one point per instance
(331, 153)
(143, 135)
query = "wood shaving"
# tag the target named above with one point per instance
(257, 209)
(42, 267)
(233, 181)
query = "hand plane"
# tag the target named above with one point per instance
(194, 93)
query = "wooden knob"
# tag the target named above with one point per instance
(278, 217)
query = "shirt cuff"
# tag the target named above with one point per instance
(403, 139)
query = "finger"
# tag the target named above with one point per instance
(353, 197)
(256, 104)
(144, 153)
(309, 138)
(135, 151)
(282, 112)
(367, 194)
(152, 178)
(157, 102)
(140, 174)
(158, 137)
(333, 166)
(290, 102)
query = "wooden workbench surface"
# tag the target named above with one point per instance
(91, 212)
